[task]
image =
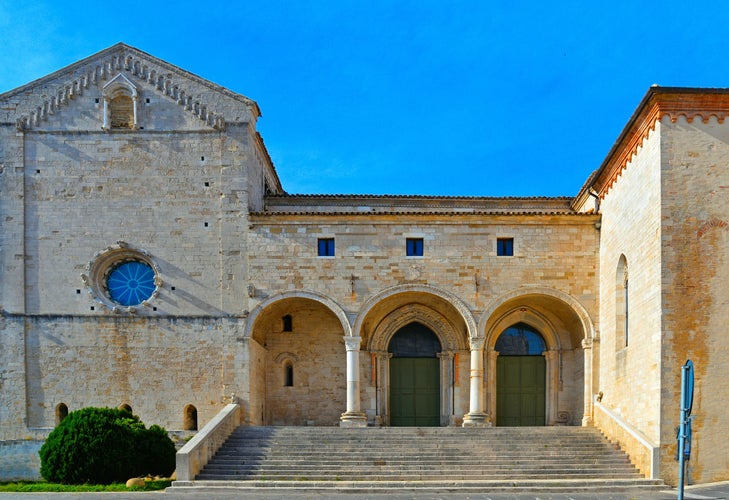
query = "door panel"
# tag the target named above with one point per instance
(414, 392)
(521, 390)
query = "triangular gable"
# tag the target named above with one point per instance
(112, 65)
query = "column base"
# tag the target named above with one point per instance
(476, 420)
(586, 421)
(353, 419)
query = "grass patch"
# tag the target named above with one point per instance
(44, 487)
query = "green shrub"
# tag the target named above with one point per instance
(104, 445)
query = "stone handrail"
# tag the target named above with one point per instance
(200, 449)
(644, 454)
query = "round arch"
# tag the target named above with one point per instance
(523, 294)
(415, 313)
(335, 308)
(290, 337)
(385, 313)
(452, 300)
(568, 332)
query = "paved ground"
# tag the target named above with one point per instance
(714, 491)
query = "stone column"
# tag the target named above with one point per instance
(135, 100)
(491, 358)
(552, 386)
(353, 417)
(107, 120)
(587, 355)
(476, 417)
(446, 387)
(383, 387)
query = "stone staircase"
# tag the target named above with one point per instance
(544, 459)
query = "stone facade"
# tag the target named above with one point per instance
(289, 304)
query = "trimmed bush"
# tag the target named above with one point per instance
(103, 446)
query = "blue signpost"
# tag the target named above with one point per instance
(684, 432)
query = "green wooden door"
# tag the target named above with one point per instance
(520, 392)
(414, 392)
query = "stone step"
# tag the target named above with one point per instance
(421, 487)
(379, 474)
(242, 462)
(417, 458)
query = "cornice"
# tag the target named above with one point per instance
(132, 63)
(658, 103)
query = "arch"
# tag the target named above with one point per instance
(383, 315)
(568, 332)
(527, 315)
(190, 418)
(61, 412)
(573, 304)
(125, 407)
(455, 302)
(335, 308)
(443, 329)
(120, 103)
(285, 382)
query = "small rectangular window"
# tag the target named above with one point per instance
(326, 247)
(414, 247)
(505, 247)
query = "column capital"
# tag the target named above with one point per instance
(352, 343)
(550, 354)
(477, 343)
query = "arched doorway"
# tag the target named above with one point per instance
(520, 377)
(414, 377)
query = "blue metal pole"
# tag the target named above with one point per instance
(682, 433)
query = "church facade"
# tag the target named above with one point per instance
(151, 258)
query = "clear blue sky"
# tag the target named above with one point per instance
(477, 98)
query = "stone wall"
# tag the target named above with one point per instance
(629, 376)
(156, 366)
(459, 256)
(695, 216)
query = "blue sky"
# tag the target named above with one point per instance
(475, 98)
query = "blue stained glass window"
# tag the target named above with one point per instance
(520, 340)
(131, 283)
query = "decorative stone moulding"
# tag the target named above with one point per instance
(122, 278)
(119, 71)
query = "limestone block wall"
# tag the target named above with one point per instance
(12, 221)
(459, 255)
(156, 366)
(695, 215)
(82, 195)
(12, 378)
(629, 377)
